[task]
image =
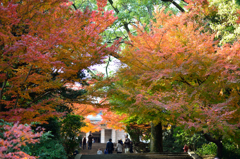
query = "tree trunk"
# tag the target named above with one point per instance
(156, 138)
(218, 142)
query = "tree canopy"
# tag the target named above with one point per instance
(44, 46)
(180, 65)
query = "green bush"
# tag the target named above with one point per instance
(230, 150)
(53, 125)
(169, 144)
(207, 149)
(193, 140)
(48, 148)
(70, 130)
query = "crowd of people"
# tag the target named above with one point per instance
(127, 146)
(83, 142)
(120, 147)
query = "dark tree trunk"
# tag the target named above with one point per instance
(218, 142)
(156, 138)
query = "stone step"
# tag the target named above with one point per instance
(93, 151)
(138, 156)
(92, 154)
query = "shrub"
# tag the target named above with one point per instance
(230, 150)
(13, 136)
(70, 130)
(193, 140)
(48, 148)
(169, 144)
(53, 125)
(207, 149)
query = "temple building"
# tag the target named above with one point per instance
(105, 133)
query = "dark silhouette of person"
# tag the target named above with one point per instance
(90, 137)
(127, 144)
(109, 146)
(75, 152)
(131, 147)
(84, 143)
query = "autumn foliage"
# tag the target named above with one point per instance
(113, 120)
(178, 70)
(44, 45)
(14, 137)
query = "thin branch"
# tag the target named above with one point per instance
(117, 11)
(109, 59)
(184, 81)
(92, 72)
(177, 5)
(40, 97)
(15, 105)
(27, 75)
(74, 6)
(4, 85)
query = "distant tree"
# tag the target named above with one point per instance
(71, 126)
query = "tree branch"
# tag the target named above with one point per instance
(117, 11)
(15, 106)
(3, 86)
(109, 59)
(74, 6)
(177, 5)
(184, 81)
(27, 74)
(40, 97)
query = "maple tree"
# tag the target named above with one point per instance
(13, 136)
(177, 73)
(129, 13)
(113, 119)
(44, 45)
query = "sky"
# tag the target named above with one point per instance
(112, 68)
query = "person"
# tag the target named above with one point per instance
(75, 152)
(131, 147)
(80, 141)
(84, 142)
(127, 144)
(109, 146)
(119, 147)
(93, 141)
(185, 148)
(90, 137)
(121, 142)
(99, 152)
